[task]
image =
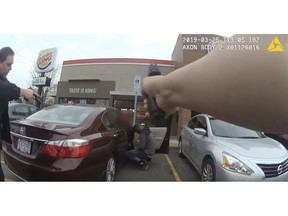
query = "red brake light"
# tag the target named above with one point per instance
(75, 148)
(73, 152)
(51, 150)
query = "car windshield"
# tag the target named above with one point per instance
(225, 129)
(68, 115)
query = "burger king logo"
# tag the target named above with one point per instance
(46, 59)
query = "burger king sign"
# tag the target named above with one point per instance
(46, 60)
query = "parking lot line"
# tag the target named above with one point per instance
(172, 168)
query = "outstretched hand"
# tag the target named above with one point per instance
(28, 94)
(155, 87)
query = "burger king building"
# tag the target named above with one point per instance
(108, 82)
(111, 81)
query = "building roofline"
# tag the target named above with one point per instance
(118, 60)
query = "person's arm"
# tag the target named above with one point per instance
(9, 91)
(248, 88)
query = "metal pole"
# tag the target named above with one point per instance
(40, 91)
(135, 108)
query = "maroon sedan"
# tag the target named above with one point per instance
(67, 142)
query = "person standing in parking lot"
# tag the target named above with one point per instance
(128, 127)
(143, 153)
(8, 92)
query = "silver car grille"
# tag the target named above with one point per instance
(273, 170)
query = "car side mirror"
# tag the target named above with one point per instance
(200, 131)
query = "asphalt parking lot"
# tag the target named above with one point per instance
(163, 167)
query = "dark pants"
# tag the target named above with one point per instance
(130, 135)
(131, 154)
(1, 170)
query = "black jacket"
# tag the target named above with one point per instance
(8, 92)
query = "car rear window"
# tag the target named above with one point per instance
(68, 115)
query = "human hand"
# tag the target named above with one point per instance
(156, 88)
(28, 94)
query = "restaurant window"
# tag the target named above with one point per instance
(98, 102)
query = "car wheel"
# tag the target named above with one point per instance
(109, 174)
(208, 172)
(180, 153)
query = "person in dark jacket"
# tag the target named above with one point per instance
(8, 92)
(143, 153)
(128, 127)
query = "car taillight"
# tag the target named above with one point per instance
(74, 148)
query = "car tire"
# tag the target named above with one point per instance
(110, 171)
(208, 172)
(180, 152)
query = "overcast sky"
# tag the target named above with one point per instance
(72, 46)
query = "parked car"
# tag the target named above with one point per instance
(67, 142)
(21, 111)
(282, 138)
(225, 152)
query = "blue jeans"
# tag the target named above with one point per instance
(131, 154)
(1, 170)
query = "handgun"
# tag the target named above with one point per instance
(153, 109)
(38, 98)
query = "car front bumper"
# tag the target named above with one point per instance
(226, 175)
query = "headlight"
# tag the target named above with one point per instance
(233, 164)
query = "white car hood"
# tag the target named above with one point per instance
(264, 148)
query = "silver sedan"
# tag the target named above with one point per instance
(221, 151)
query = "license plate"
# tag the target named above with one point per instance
(24, 146)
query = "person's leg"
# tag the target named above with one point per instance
(1, 170)
(135, 155)
(143, 160)
(130, 135)
(139, 157)
(131, 154)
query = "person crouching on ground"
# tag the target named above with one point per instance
(143, 153)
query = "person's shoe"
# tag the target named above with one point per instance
(144, 165)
